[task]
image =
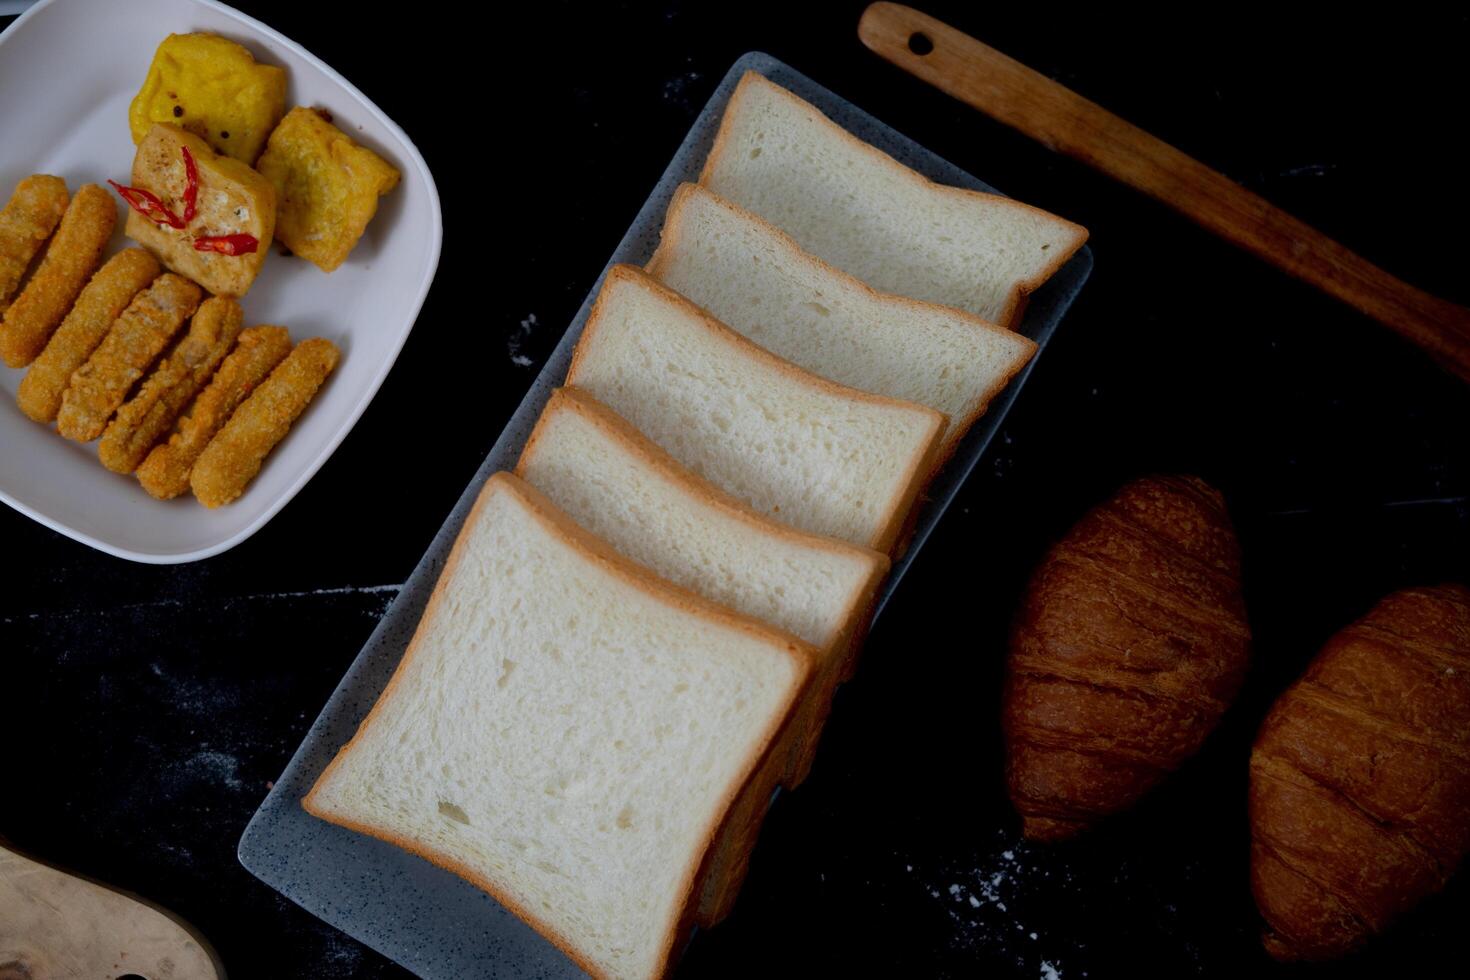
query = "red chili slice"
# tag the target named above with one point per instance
(227, 244)
(148, 205)
(191, 185)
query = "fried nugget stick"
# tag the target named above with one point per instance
(102, 301)
(70, 258)
(233, 457)
(148, 415)
(165, 473)
(137, 337)
(27, 221)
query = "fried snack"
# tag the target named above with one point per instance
(70, 258)
(137, 337)
(212, 87)
(234, 456)
(1360, 777)
(165, 473)
(1131, 643)
(28, 220)
(102, 301)
(230, 200)
(148, 415)
(327, 187)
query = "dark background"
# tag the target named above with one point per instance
(148, 708)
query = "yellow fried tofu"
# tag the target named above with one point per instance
(223, 245)
(327, 186)
(213, 88)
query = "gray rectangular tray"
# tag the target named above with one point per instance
(429, 920)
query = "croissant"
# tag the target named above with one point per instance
(1131, 642)
(1360, 777)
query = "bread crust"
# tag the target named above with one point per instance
(558, 523)
(669, 242)
(915, 478)
(1360, 777)
(1130, 644)
(1016, 301)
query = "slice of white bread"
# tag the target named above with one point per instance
(568, 732)
(856, 207)
(794, 446)
(757, 280)
(614, 482)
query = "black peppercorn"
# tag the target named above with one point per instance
(178, 111)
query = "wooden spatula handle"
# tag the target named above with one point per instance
(1004, 88)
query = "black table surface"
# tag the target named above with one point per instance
(149, 708)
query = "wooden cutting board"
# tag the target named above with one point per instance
(56, 926)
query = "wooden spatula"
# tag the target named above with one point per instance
(1061, 119)
(56, 926)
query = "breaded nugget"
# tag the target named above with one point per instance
(234, 456)
(165, 473)
(70, 259)
(28, 220)
(102, 301)
(148, 415)
(136, 339)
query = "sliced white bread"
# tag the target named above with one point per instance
(796, 447)
(755, 279)
(614, 482)
(568, 732)
(856, 207)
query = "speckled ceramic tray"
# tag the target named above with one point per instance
(429, 920)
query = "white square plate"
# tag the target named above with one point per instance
(68, 70)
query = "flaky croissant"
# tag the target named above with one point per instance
(1360, 777)
(1130, 644)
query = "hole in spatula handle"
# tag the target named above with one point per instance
(920, 44)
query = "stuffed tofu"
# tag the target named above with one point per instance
(208, 217)
(211, 87)
(328, 186)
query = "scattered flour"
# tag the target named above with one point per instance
(389, 593)
(342, 954)
(984, 900)
(214, 766)
(515, 340)
(677, 90)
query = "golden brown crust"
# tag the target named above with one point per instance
(238, 450)
(100, 302)
(71, 257)
(1131, 642)
(165, 472)
(914, 479)
(1019, 293)
(669, 241)
(26, 223)
(1360, 777)
(147, 417)
(135, 339)
(552, 518)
